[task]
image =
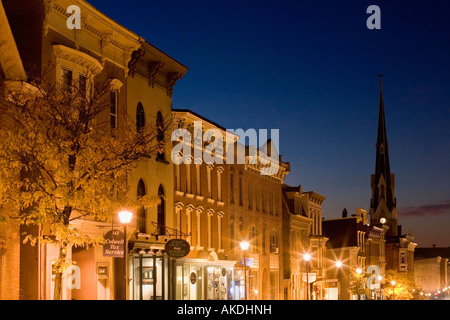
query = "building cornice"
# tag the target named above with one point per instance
(99, 34)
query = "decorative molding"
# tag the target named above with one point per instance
(190, 208)
(115, 84)
(48, 9)
(171, 79)
(152, 70)
(199, 209)
(80, 58)
(133, 60)
(179, 193)
(220, 169)
(105, 40)
(179, 205)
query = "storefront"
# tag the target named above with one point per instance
(204, 279)
(332, 289)
(150, 272)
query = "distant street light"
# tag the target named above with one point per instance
(307, 258)
(244, 246)
(338, 264)
(393, 289)
(125, 218)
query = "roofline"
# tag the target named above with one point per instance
(201, 117)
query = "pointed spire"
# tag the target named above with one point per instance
(382, 165)
(382, 135)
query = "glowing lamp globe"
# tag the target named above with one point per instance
(125, 216)
(244, 245)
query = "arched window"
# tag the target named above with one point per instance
(273, 241)
(160, 133)
(140, 117)
(254, 239)
(161, 212)
(141, 216)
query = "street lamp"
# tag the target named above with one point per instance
(125, 218)
(379, 284)
(338, 264)
(244, 246)
(307, 258)
(358, 272)
(393, 289)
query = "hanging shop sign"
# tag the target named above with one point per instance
(177, 248)
(193, 277)
(248, 262)
(309, 277)
(114, 244)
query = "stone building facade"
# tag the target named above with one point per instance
(255, 204)
(201, 213)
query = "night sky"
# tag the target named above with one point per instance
(309, 68)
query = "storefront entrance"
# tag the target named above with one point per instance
(149, 277)
(200, 279)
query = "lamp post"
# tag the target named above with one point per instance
(125, 218)
(358, 272)
(307, 258)
(379, 284)
(244, 246)
(393, 289)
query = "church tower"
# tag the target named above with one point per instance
(383, 205)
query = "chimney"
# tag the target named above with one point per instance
(344, 213)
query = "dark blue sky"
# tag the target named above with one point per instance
(309, 68)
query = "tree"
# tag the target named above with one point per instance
(60, 160)
(401, 289)
(357, 284)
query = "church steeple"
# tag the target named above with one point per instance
(383, 203)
